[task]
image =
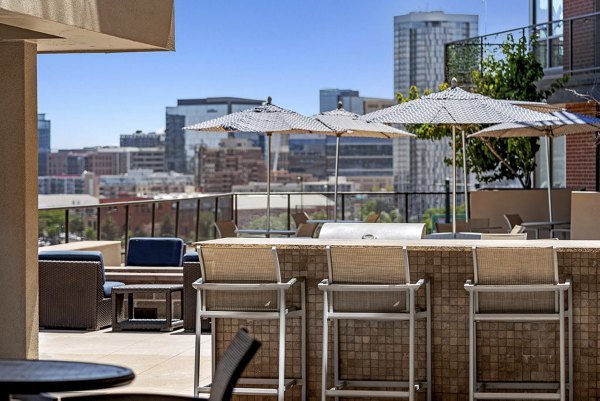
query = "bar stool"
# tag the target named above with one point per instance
(519, 285)
(245, 283)
(372, 283)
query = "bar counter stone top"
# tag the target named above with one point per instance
(378, 350)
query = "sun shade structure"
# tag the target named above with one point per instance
(269, 119)
(564, 123)
(346, 123)
(457, 108)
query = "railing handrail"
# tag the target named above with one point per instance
(465, 41)
(137, 202)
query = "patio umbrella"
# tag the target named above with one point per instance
(269, 119)
(564, 123)
(346, 123)
(457, 108)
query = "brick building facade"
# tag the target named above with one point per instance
(582, 152)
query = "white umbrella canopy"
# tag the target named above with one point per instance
(346, 123)
(454, 107)
(565, 123)
(269, 119)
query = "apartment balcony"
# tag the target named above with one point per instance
(565, 47)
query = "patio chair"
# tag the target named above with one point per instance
(517, 229)
(479, 224)
(514, 220)
(519, 285)
(372, 218)
(461, 227)
(300, 218)
(306, 230)
(240, 352)
(245, 283)
(503, 236)
(372, 283)
(73, 291)
(226, 229)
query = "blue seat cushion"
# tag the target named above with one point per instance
(191, 257)
(73, 256)
(108, 286)
(155, 252)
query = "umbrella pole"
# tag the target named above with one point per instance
(464, 153)
(337, 171)
(453, 179)
(548, 177)
(268, 183)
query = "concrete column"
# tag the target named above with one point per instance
(18, 200)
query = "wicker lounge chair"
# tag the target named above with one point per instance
(245, 283)
(382, 291)
(519, 285)
(74, 293)
(155, 251)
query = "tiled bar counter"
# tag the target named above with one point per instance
(378, 350)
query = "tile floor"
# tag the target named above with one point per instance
(162, 362)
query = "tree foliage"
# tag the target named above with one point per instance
(513, 75)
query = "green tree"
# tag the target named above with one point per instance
(514, 75)
(166, 228)
(108, 230)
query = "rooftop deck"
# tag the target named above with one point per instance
(163, 362)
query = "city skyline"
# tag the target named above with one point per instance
(240, 49)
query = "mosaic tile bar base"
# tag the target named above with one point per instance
(378, 350)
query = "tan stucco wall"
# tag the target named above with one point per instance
(18, 201)
(94, 25)
(531, 205)
(585, 215)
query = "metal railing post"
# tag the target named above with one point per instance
(343, 206)
(406, 207)
(66, 226)
(216, 216)
(153, 223)
(126, 227)
(447, 201)
(236, 208)
(177, 218)
(197, 233)
(289, 211)
(98, 224)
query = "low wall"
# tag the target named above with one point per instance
(531, 205)
(585, 216)
(378, 350)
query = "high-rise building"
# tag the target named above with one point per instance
(43, 144)
(351, 100)
(235, 162)
(180, 145)
(419, 40)
(141, 139)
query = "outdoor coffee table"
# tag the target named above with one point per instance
(130, 322)
(21, 376)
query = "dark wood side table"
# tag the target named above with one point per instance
(21, 376)
(130, 322)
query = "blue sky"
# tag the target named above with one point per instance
(287, 49)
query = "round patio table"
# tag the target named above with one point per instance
(21, 376)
